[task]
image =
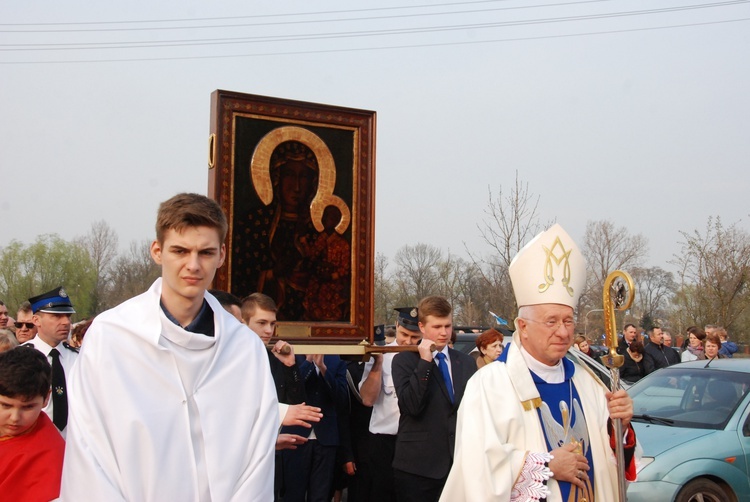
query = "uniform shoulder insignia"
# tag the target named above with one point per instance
(70, 347)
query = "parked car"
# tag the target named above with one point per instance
(693, 422)
(596, 366)
(466, 337)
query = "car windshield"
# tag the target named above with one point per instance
(698, 398)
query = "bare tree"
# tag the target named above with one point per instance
(417, 272)
(383, 290)
(715, 274)
(654, 289)
(133, 273)
(101, 243)
(607, 248)
(510, 222)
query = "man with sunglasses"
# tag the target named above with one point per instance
(25, 327)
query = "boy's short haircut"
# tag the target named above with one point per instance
(256, 301)
(190, 210)
(436, 306)
(24, 372)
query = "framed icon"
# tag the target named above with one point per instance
(296, 181)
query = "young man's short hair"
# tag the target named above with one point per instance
(24, 372)
(436, 306)
(190, 210)
(256, 301)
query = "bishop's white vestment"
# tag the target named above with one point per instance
(499, 431)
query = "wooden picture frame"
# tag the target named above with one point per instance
(296, 181)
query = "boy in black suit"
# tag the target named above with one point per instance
(429, 385)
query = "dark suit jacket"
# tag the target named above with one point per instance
(427, 427)
(330, 393)
(290, 388)
(661, 355)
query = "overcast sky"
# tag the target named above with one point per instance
(633, 111)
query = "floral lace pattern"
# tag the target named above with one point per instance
(531, 485)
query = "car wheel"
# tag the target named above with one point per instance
(701, 490)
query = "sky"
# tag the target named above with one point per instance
(637, 112)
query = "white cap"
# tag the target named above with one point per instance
(549, 269)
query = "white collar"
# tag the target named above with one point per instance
(550, 374)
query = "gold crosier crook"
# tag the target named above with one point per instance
(617, 295)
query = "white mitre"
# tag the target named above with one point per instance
(549, 269)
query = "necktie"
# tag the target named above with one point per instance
(59, 392)
(443, 366)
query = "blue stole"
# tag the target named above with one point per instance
(554, 394)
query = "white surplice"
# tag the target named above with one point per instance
(158, 413)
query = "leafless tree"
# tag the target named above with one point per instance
(417, 272)
(510, 222)
(715, 274)
(607, 248)
(654, 289)
(133, 273)
(101, 243)
(384, 313)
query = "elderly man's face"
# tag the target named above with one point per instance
(25, 327)
(667, 339)
(547, 331)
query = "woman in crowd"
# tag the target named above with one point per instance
(694, 349)
(583, 345)
(637, 363)
(713, 345)
(490, 345)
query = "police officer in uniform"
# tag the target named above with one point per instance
(52, 311)
(377, 390)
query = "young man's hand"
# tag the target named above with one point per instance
(301, 414)
(279, 349)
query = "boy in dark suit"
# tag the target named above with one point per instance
(429, 385)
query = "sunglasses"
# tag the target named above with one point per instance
(20, 325)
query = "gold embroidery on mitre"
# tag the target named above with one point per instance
(549, 278)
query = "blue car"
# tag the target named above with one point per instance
(692, 421)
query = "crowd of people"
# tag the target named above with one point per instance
(650, 350)
(181, 394)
